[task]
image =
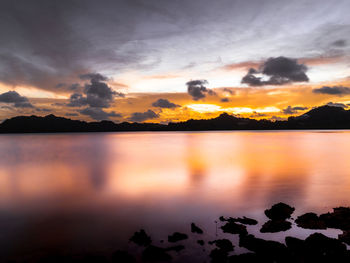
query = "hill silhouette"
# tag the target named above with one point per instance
(324, 117)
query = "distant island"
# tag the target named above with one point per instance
(324, 117)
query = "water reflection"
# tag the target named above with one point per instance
(83, 190)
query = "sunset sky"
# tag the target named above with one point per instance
(162, 61)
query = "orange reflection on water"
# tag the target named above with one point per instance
(86, 185)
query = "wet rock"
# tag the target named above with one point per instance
(234, 228)
(177, 237)
(339, 218)
(155, 254)
(122, 256)
(279, 211)
(345, 237)
(218, 256)
(141, 238)
(200, 242)
(265, 249)
(223, 244)
(310, 221)
(175, 248)
(273, 226)
(196, 229)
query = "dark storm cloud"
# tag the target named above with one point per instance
(48, 42)
(164, 103)
(142, 116)
(337, 104)
(339, 43)
(18, 101)
(98, 114)
(97, 93)
(292, 110)
(279, 70)
(335, 90)
(197, 89)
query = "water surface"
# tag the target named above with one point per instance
(90, 192)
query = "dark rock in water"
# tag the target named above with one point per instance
(265, 249)
(279, 211)
(234, 228)
(177, 237)
(155, 254)
(310, 221)
(339, 218)
(141, 238)
(222, 219)
(320, 246)
(175, 248)
(345, 237)
(196, 229)
(218, 256)
(273, 226)
(200, 242)
(244, 220)
(244, 258)
(223, 244)
(122, 256)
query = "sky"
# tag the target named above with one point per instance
(166, 61)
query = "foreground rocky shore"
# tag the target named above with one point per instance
(317, 247)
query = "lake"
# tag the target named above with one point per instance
(90, 192)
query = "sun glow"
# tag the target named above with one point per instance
(204, 108)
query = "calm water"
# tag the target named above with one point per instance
(79, 192)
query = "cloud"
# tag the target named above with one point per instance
(279, 71)
(292, 110)
(142, 116)
(335, 90)
(232, 92)
(164, 103)
(197, 90)
(225, 100)
(337, 104)
(98, 114)
(339, 43)
(97, 93)
(15, 99)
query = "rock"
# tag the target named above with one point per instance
(345, 237)
(196, 229)
(273, 226)
(218, 256)
(223, 244)
(200, 242)
(310, 221)
(234, 228)
(339, 218)
(155, 254)
(319, 246)
(177, 237)
(279, 211)
(265, 249)
(245, 220)
(122, 256)
(243, 258)
(141, 238)
(175, 248)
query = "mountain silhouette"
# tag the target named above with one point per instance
(324, 117)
